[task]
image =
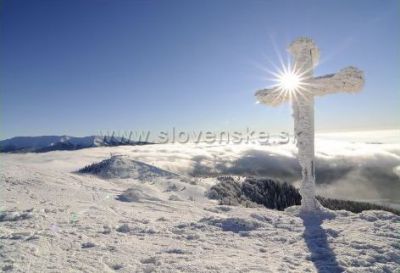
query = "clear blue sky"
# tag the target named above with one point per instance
(80, 66)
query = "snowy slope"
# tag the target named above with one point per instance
(54, 219)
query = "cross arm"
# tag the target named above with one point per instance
(271, 96)
(349, 79)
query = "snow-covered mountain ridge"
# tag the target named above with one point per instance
(53, 143)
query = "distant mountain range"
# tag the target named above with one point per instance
(42, 144)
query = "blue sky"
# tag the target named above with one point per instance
(78, 67)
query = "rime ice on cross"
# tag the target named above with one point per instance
(305, 56)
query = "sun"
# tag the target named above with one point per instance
(289, 81)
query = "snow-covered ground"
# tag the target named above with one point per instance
(156, 219)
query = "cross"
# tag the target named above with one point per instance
(300, 89)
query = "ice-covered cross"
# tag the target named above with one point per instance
(299, 87)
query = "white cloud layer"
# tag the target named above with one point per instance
(363, 166)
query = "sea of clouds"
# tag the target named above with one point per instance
(356, 165)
